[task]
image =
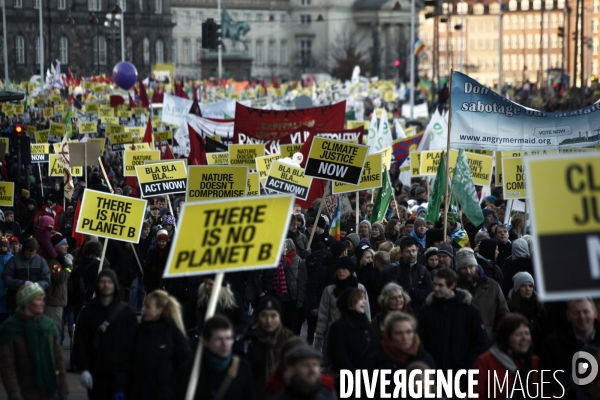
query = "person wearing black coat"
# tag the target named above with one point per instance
(351, 341)
(95, 183)
(103, 342)
(450, 327)
(520, 262)
(413, 277)
(161, 356)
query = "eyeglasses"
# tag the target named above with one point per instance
(396, 298)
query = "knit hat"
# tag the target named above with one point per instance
(366, 223)
(45, 221)
(465, 257)
(268, 303)
(410, 221)
(520, 278)
(379, 226)
(481, 235)
(301, 353)
(487, 248)
(408, 241)
(419, 222)
(451, 218)
(168, 218)
(321, 223)
(419, 190)
(430, 252)
(434, 235)
(58, 239)
(446, 248)
(32, 202)
(420, 210)
(28, 292)
(345, 228)
(491, 199)
(346, 263)
(24, 192)
(163, 235)
(338, 248)
(358, 252)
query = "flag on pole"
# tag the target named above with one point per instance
(382, 202)
(383, 137)
(438, 192)
(64, 160)
(400, 134)
(419, 46)
(336, 222)
(402, 148)
(464, 189)
(372, 128)
(148, 134)
(69, 123)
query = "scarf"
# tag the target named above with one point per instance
(299, 389)
(217, 363)
(39, 346)
(279, 281)
(340, 286)
(272, 343)
(395, 353)
(290, 257)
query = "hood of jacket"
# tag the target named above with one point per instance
(112, 275)
(460, 296)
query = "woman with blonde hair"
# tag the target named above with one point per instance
(161, 355)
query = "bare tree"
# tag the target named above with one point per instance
(347, 52)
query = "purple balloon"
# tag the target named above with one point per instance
(125, 75)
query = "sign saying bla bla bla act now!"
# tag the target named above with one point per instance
(229, 235)
(288, 178)
(162, 178)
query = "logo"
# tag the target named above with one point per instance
(584, 367)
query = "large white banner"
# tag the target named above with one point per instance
(175, 110)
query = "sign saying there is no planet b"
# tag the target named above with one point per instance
(229, 235)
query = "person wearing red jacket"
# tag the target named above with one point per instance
(51, 209)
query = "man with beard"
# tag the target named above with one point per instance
(446, 256)
(487, 294)
(413, 277)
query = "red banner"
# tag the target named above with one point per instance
(275, 127)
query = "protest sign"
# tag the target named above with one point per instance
(42, 136)
(87, 127)
(82, 153)
(336, 161)
(137, 157)
(91, 108)
(415, 163)
(212, 182)
(386, 157)
(111, 216)
(356, 124)
(220, 158)
(136, 146)
(162, 178)
(56, 169)
(288, 150)
(514, 178)
(371, 176)
(483, 120)
(101, 141)
(481, 166)
(118, 140)
(564, 191)
(288, 178)
(57, 131)
(253, 185)
(7, 194)
(430, 161)
(229, 235)
(40, 153)
(245, 154)
(263, 165)
(105, 112)
(113, 130)
(109, 120)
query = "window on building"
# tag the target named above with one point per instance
(186, 52)
(530, 22)
(521, 22)
(18, 4)
(447, 8)
(146, 50)
(99, 50)
(537, 4)
(506, 44)
(259, 53)
(530, 42)
(36, 4)
(174, 17)
(95, 5)
(515, 22)
(20, 49)
(554, 41)
(283, 49)
(506, 23)
(200, 17)
(37, 50)
(259, 18)
(549, 4)
(512, 5)
(462, 8)
(595, 67)
(159, 51)
(129, 48)
(304, 3)
(524, 5)
(234, 16)
(595, 25)
(514, 63)
(271, 53)
(529, 63)
(595, 46)
(514, 41)
(554, 21)
(538, 21)
(521, 59)
(63, 50)
(442, 44)
(188, 18)
(536, 62)
(283, 19)
(62, 4)
(305, 53)
(554, 61)
(521, 41)
(305, 19)
(494, 7)
(158, 6)
(174, 52)
(141, 4)
(538, 41)
(595, 6)
(247, 17)
(478, 9)
(442, 64)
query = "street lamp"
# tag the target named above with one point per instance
(93, 20)
(110, 23)
(119, 15)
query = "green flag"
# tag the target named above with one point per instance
(439, 190)
(69, 124)
(384, 196)
(464, 189)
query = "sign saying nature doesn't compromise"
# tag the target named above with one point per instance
(229, 235)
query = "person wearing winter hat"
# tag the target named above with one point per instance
(434, 238)
(168, 223)
(421, 195)
(328, 311)
(421, 211)
(31, 358)
(486, 253)
(321, 239)
(446, 256)
(156, 262)
(263, 342)
(364, 229)
(15, 246)
(377, 235)
(524, 300)
(487, 294)
(419, 231)
(51, 209)
(431, 259)
(409, 274)
(409, 225)
(103, 343)
(352, 239)
(56, 294)
(300, 239)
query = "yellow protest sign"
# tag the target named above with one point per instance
(137, 157)
(31, 130)
(386, 157)
(514, 178)
(430, 161)
(114, 129)
(229, 235)
(119, 140)
(105, 112)
(7, 194)
(111, 216)
(59, 108)
(56, 169)
(578, 150)
(488, 153)
(42, 136)
(245, 154)
(528, 153)
(87, 127)
(212, 182)
(162, 178)
(91, 108)
(136, 131)
(220, 158)
(263, 165)
(102, 142)
(7, 107)
(40, 152)
(48, 112)
(336, 160)
(371, 176)
(481, 166)
(253, 185)
(288, 150)
(415, 163)
(138, 111)
(110, 120)
(162, 136)
(57, 130)
(564, 191)
(19, 109)
(288, 178)
(136, 146)
(124, 114)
